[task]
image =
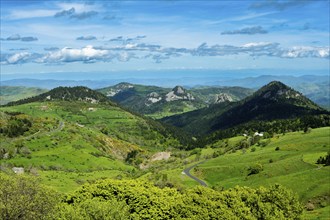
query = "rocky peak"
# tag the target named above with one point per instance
(152, 98)
(179, 93)
(179, 90)
(223, 97)
(119, 88)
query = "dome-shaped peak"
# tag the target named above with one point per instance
(179, 90)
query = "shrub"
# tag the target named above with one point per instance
(324, 160)
(22, 197)
(255, 169)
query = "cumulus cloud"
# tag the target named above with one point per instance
(304, 51)
(85, 54)
(71, 13)
(17, 37)
(17, 58)
(89, 37)
(248, 30)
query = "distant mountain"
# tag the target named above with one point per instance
(165, 101)
(315, 87)
(14, 93)
(78, 93)
(273, 101)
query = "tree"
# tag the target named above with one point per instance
(22, 197)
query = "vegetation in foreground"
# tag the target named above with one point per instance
(23, 198)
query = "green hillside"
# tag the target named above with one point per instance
(289, 160)
(14, 93)
(70, 142)
(274, 101)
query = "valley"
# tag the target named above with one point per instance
(70, 137)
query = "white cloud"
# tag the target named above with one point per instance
(18, 58)
(125, 53)
(66, 54)
(304, 51)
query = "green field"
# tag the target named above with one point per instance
(293, 166)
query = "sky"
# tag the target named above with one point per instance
(49, 36)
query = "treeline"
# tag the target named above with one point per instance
(24, 198)
(78, 93)
(271, 127)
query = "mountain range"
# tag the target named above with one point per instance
(273, 101)
(160, 102)
(315, 87)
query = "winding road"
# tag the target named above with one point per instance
(187, 172)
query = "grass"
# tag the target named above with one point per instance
(59, 155)
(319, 214)
(293, 165)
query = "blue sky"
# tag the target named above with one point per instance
(92, 36)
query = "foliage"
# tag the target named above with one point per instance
(23, 197)
(16, 126)
(324, 160)
(145, 201)
(94, 208)
(255, 169)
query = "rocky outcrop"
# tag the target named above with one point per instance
(152, 98)
(119, 88)
(222, 97)
(178, 93)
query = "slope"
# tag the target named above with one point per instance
(14, 93)
(273, 101)
(77, 139)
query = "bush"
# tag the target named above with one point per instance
(324, 160)
(257, 168)
(146, 201)
(22, 197)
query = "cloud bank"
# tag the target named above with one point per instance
(157, 53)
